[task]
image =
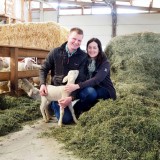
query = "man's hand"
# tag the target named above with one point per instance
(43, 90)
(65, 102)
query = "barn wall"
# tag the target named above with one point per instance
(100, 26)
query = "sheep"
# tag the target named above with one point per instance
(27, 64)
(5, 87)
(4, 63)
(32, 91)
(55, 93)
(4, 67)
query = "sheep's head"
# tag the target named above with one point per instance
(20, 83)
(71, 77)
(24, 84)
(3, 63)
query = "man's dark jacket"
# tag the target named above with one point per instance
(60, 64)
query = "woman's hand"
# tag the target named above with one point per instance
(65, 102)
(71, 87)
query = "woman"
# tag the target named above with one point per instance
(98, 74)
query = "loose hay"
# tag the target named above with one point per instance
(15, 111)
(128, 128)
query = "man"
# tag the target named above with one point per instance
(60, 60)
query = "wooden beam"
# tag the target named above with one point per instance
(24, 52)
(28, 73)
(4, 51)
(4, 76)
(138, 8)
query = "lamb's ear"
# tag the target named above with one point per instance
(19, 83)
(30, 92)
(65, 79)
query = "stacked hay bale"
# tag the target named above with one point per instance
(128, 128)
(35, 35)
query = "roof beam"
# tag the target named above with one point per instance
(101, 4)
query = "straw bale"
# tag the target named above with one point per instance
(37, 35)
(4, 37)
(15, 30)
(63, 34)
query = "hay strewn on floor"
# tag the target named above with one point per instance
(16, 111)
(37, 35)
(128, 128)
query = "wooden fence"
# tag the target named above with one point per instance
(15, 53)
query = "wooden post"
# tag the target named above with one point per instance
(112, 5)
(29, 12)
(14, 70)
(41, 12)
(5, 5)
(22, 10)
(114, 19)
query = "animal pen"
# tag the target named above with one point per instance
(15, 53)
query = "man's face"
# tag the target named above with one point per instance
(74, 41)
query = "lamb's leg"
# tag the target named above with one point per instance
(72, 112)
(9, 86)
(43, 108)
(61, 116)
(48, 116)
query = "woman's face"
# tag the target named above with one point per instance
(93, 50)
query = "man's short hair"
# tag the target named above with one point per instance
(77, 30)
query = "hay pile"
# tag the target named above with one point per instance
(128, 128)
(35, 35)
(135, 64)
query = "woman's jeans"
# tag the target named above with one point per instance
(87, 98)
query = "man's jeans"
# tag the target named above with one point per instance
(87, 98)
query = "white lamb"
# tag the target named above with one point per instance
(32, 91)
(4, 67)
(54, 94)
(4, 63)
(27, 64)
(4, 87)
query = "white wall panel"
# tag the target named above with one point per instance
(50, 16)
(87, 20)
(35, 16)
(138, 19)
(100, 26)
(128, 29)
(135, 23)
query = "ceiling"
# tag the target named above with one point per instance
(150, 6)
